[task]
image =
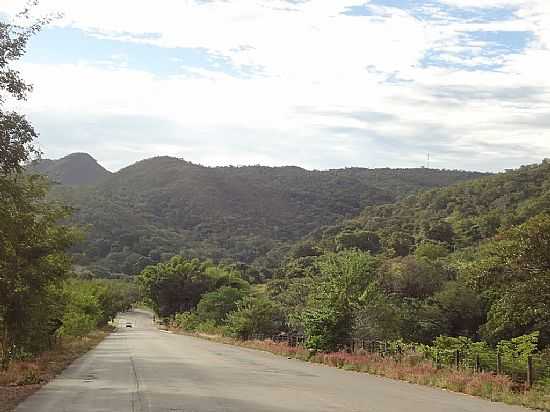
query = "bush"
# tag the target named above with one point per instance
(214, 306)
(210, 327)
(187, 321)
(255, 316)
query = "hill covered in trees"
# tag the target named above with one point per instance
(164, 206)
(471, 260)
(74, 169)
(456, 265)
(457, 216)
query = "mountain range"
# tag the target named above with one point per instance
(163, 206)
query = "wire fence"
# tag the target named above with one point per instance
(528, 370)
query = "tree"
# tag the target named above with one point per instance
(361, 240)
(32, 243)
(431, 250)
(178, 285)
(441, 232)
(216, 305)
(255, 315)
(16, 133)
(411, 277)
(514, 272)
(32, 254)
(462, 308)
(400, 243)
(328, 317)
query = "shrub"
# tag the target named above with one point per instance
(255, 315)
(187, 321)
(215, 306)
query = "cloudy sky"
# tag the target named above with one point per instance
(314, 83)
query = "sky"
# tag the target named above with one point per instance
(315, 83)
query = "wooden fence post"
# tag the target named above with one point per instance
(457, 358)
(530, 371)
(499, 363)
(478, 363)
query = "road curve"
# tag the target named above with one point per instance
(142, 369)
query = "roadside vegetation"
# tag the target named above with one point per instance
(44, 306)
(430, 288)
(410, 367)
(458, 270)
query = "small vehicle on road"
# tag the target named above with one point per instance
(129, 325)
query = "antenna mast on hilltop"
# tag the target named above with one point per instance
(428, 161)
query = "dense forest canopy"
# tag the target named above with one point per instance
(164, 206)
(457, 216)
(468, 260)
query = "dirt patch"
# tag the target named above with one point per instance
(10, 396)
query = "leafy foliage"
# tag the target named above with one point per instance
(179, 284)
(215, 306)
(255, 315)
(36, 306)
(328, 318)
(31, 243)
(161, 207)
(457, 261)
(509, 270)
(89, 304)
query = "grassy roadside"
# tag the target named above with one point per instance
(413, 369)
(23, 378)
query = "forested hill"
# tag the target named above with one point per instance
(163, 206)
(74, 169)
(458, 216)
(469, 260)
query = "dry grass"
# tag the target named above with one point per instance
(25, 377)
(414, 369)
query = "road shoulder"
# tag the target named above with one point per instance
(23, 378)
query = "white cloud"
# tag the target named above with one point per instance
(308, 55)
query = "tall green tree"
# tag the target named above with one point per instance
(32, 244)
(328, 317)
(178, 285)
(514, 273)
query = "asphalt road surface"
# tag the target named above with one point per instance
(142, 369)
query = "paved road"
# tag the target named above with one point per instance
(144, 370)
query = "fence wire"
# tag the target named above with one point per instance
(523, 370)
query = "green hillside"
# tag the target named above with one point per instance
(459, 215)
(471, 259)
(74, 169)
(163, 206)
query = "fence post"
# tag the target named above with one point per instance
(478, 363)
(530, 371)
(457, 359)
(437, 365)
(499, 363)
